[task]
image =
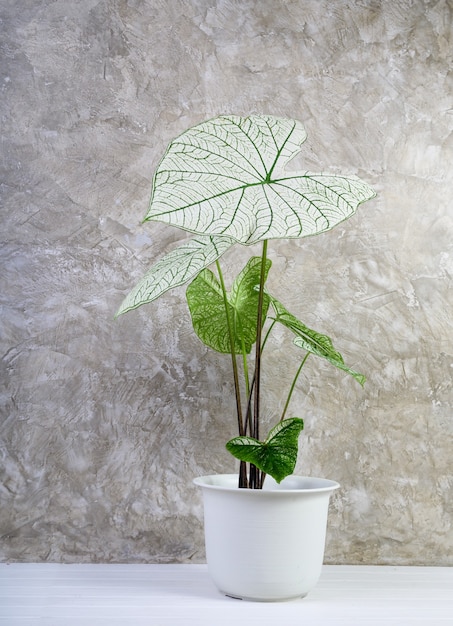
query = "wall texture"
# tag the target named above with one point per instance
(104, 423)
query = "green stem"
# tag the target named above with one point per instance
(293, 385)
(233, 354)
(267, 334)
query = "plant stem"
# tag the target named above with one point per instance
(248, 413)
(267, 334)
(245, 366)
(243, 479)
(293, 384)
(233, 354)
(255, 479)
(248, 417)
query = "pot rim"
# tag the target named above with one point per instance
(290, 484)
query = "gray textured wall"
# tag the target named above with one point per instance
(104, 423)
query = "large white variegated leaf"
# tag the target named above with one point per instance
(174, 269)
(226, 177)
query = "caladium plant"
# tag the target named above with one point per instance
(224, 180)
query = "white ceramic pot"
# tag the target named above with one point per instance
(265, 545)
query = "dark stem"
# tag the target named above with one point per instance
(255, 478)
(243, 480)
(248, 413)
(233, 355)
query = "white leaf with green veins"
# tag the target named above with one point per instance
(226, 177)
(174, 269)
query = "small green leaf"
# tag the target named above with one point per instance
(244, 298)
(277, 455)
(174, 269)
(312, 341)
(207, 308)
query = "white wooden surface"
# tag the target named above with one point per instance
(172, 595)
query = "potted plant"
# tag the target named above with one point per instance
(224, 180)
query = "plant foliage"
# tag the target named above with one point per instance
(277, 455)
(225, 181)
(210, 315)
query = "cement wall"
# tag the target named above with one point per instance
(104, 423)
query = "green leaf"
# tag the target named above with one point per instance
(312, 341)
(174, 269)
(244, 298)
(207, 308)
(226, 177)
(277, 455)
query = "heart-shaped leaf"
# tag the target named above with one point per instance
(277, 455)
(207, 308)
(174, 269)
(226, 177)
(312, 341)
